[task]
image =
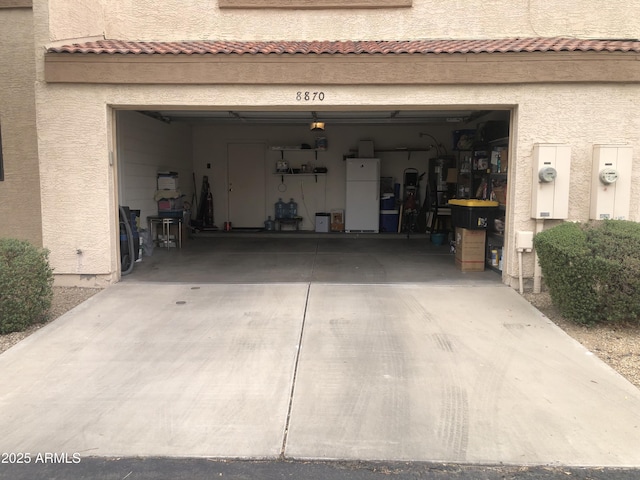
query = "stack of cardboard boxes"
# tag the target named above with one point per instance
(168, 195)
(471, 218)
(470, 249)
(170, 206)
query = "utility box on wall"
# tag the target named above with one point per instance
(550, 182)
(611, 182)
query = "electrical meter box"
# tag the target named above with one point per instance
(550, 182)
(611, 182)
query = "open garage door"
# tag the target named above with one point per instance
(242, 153)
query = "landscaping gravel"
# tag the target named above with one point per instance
(618, 345)
(64, 299)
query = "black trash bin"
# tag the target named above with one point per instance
(473, 214)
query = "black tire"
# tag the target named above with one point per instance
(126, 263)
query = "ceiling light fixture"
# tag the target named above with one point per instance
(316, 126)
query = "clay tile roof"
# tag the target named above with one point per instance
(506, 45)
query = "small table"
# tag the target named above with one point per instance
(166, 223)
(295, 221)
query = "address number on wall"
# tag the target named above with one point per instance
(310, 96)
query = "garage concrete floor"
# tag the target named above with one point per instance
(337, 348)
(306, 257)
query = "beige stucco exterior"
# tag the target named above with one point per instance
(472, 19)
(77, 144)
(20, 190)
(544, 114)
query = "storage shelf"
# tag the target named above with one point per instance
(305, 174)
(295, 149)
(494, 240)
(469, 183)
(395, 150)
(299, 174)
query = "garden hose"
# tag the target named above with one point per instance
(127, 269)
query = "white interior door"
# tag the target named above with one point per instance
(246, 184)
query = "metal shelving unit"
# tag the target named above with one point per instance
(473, 170)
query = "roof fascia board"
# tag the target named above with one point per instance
(314, 4)
(403, 69)
(16, 3)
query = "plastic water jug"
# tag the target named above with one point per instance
(269, 224)
(293, 209)
(281, 209)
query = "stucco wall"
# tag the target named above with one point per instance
(75, 19)
(20, 190)
(78, 181)
(202, 19)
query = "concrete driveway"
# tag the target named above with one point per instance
(301, 364)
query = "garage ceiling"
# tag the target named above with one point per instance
(352, 117)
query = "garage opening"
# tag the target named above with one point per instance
(188, 174)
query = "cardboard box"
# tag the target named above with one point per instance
(468, 237)
(470, 250)
(500, 193)
(167, 182)
(470, 265)
(337, 220)
(473, 252)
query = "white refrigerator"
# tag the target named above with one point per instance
(362, 212)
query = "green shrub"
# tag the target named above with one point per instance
(25, 285)
(593, 270)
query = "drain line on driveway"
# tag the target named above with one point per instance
(295, 366)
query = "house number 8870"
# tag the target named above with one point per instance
(309, 96)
